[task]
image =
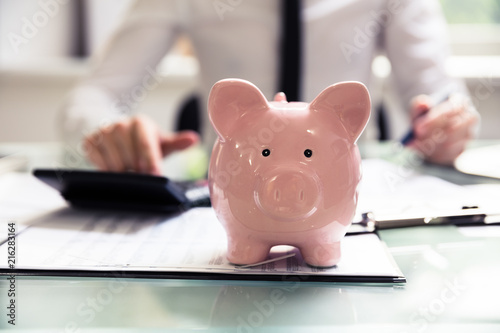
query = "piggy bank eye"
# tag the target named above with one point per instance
(266, 152)
(308, 153)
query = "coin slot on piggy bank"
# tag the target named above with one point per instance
(286, 173)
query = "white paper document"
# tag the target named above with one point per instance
(192, 244)
(480, 161)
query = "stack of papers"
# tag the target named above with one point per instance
(189, 245)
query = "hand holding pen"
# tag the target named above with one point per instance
(441, 126)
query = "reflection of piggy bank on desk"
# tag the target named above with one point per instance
(286, 173)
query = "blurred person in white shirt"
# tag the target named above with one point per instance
(240, 39)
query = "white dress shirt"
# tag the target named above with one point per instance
(241, 38)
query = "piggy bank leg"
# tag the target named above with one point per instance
(323, 255)
(240, 252)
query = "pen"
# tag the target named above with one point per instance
(411, 133)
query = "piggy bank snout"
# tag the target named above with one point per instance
(288, 194)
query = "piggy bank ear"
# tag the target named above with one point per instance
(232, 99)
(350, 102)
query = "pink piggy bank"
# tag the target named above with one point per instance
(286, 173)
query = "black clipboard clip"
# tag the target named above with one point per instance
(468, 216)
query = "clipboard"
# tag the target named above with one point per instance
(191, 245)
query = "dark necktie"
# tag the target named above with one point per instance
(290, 61)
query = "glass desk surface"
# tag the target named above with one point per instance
(453, 286)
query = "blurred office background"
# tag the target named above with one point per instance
(60, 35)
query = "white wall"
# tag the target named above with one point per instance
(37, 71)
(31, 98)
(33, 29)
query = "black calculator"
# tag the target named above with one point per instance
(125, 190)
